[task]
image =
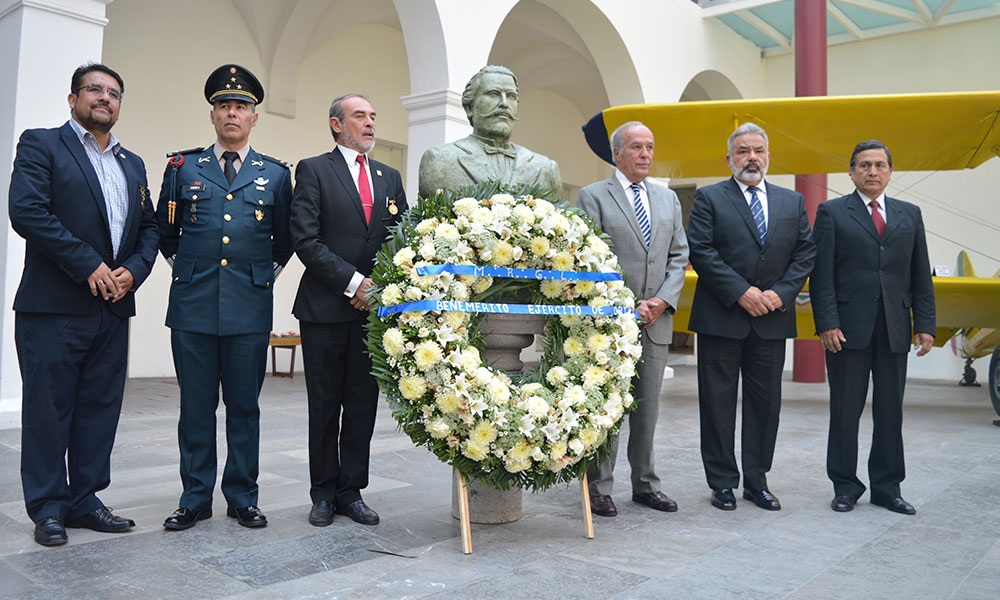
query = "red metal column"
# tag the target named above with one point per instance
(810, 80)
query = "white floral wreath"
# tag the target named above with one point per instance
(474, 417)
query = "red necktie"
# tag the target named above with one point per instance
(365, 189)
(877, 218)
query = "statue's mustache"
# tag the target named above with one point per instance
(501, 112)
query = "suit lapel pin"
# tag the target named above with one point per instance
(393, 209)
(142, 196)
(378, 172)
(204, 159)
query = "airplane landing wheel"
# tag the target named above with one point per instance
(995, 381)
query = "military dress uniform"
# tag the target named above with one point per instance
(226, 241)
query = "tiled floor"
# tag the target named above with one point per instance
(950, 549)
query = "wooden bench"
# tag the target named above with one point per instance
(284, 341)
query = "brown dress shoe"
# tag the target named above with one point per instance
(657, 500)
(603, 505)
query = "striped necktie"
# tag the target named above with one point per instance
(640, 212)
(758, 213)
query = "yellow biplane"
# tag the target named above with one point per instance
(927, 132)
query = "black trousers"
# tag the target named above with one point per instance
(848, 372)
(73, 376)
(721, 362)
(343, 398)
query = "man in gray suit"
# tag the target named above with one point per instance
(646, 229)
(490, 101)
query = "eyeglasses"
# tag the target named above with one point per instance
(98, 90)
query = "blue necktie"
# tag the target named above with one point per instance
(640, 212)
(758, 213)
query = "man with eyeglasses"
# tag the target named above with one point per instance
(872, 274)
(223, 216)
(82, 204)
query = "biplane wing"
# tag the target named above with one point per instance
(815, 134)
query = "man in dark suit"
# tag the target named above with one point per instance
(872, 272)
(82, 205)
(343, 204)
(223, 217)
(752, 248)
(646, 227)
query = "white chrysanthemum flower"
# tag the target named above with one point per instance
(499, 391)
(474, 451)
(598, 341)
(446, 231)
(427, 251)
(562, 261)
(483, 434)
(573, 346)
(438, 428)
(404, 257)
(391, 295)
(537, 407)
(557, 376)
(551, 288)
(392, 341)
(503, 253)
(446, 400)
(575, 395)
(412, 387)
(427, 355)
(524, 214)
(464, 206)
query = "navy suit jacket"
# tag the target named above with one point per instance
(855, 270)
(331, 237)
(729, 258)
(57, 206)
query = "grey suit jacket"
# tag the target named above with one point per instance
(656, 270)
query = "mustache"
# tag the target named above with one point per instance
(501, 112)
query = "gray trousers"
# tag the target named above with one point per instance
(642, 425)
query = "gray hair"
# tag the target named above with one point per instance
(337, 108)
(743, 130)
(472, 88)
(618, 135)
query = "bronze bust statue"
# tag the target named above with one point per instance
(490, 101)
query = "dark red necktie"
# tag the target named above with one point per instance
(877, 218)
(365, 189)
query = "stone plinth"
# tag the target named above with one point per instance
(505, 337)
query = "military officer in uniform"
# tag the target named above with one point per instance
(223, 217)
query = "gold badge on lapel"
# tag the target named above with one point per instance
(142, 197)
(393, 209)
(259, 214)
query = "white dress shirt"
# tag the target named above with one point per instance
(351, 158)
(643, 194)
(761, 196)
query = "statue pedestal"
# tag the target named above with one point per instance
(504, 338)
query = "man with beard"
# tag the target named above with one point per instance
(491, 102)
(753, 250)
(343, 204)
(82, 205)
(223, 216)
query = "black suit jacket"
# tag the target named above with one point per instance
(331, 237)
(729, 258)
(57, 206)
(855, 270)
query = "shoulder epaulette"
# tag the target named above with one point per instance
(285, 164)
(189, 151)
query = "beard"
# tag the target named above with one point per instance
(751, 172)
(348, 140)
(91, 124)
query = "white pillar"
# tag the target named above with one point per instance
(41, 43)
(435, 118)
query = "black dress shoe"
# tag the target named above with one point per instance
(186, 518)
(103, 520)
(842, 503)
(249, 516)
(321, 514)
(603, 505)
(50, 532)
(724, 499)
(763, 499)
(657, 500)
(359, 512)
(896, 505)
